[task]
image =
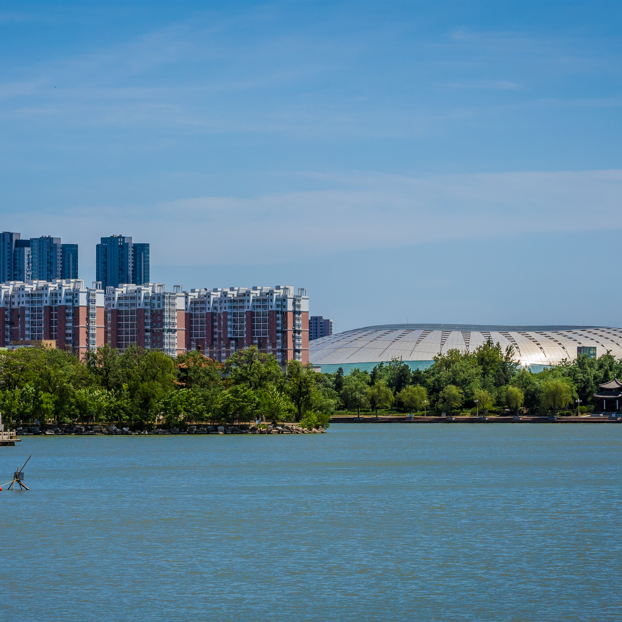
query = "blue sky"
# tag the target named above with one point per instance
(422, 161)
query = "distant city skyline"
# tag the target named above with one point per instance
(405, 161)
(319, 327)
(121, 261)
(219, 322)
(43, 258)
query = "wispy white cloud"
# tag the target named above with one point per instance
(205, 75)
(490, 37)
(9, 17)
(189, 73)
(17, 89)
(354, 212)
(500, 85)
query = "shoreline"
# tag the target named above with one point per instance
(219, 429)
(522, 419)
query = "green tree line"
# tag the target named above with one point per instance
(140, 388)
(488, 380)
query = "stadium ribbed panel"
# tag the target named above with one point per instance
(418, 344)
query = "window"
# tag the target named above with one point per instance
(588, 351)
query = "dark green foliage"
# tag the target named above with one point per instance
(402, 378)
(451, 397)
(275, 405)
(457, 369)
(587, 374)
(396, 374)
(413, 397)
(314, 420)
(491, 375)
(364, 376)
(238, 403)
(557, 393)
(105, 365)
(301, 386)
(338, 384)
(530, 386)
(197, 371)
(355, 392)
(327, 381)
(141, 388)
(418, 377)
(377, 373)
(150, 380)
(252, 368)
(380, 396)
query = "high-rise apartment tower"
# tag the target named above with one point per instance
(7, 255)
(121, 262)
(45, 258)
(319, 327)
(70, 261)
(22, 261)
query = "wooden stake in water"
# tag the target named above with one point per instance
(18, 476)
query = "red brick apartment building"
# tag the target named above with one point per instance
(147, 316)
(218, 321)
(275, 319)
(64, 311)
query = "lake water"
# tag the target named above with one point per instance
(367, 522)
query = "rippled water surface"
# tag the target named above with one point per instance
(385, 522)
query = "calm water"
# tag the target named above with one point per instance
(395, 522)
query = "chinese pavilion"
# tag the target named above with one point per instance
(609, 396)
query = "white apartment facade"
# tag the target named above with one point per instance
(275, 319)
(146, 315)
(62, 310)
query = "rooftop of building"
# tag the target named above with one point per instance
(418, 344)
(475, 327)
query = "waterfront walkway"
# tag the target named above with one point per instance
(522, 419)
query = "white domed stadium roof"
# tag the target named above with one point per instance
(417, 344)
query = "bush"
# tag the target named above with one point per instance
(315, 420)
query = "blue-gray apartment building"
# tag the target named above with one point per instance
(45, 258)
(121, 261)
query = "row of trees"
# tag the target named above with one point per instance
(488, 379)
(140, 388)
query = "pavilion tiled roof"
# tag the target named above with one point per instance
(612, 385)
(608, 396)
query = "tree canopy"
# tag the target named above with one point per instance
(488, 379)
(144, 387)
(140, 388)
